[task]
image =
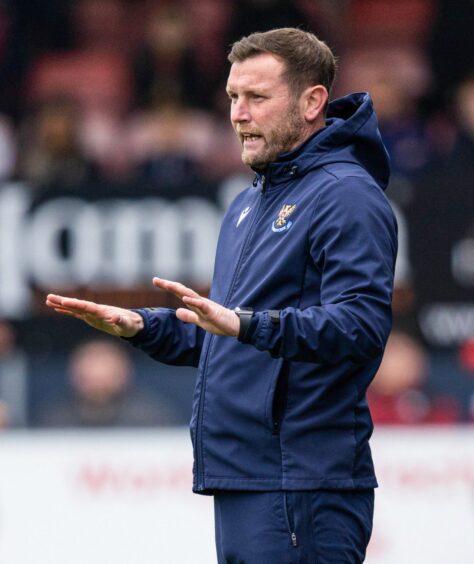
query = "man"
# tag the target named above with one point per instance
(102, 393)
(280, 423)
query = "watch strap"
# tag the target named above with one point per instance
(245, 315)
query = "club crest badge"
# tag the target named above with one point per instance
(282, 223)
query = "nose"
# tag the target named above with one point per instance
(239, 111)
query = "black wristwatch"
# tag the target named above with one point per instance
(245, 315)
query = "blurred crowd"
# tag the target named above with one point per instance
(120, 92)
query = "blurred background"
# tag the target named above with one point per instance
(117, 162)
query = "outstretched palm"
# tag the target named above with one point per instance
(120, 322)
(110, 319)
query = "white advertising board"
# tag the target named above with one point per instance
(125, 498)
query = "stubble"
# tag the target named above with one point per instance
(286, 134)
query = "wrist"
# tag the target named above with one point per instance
(138, 322)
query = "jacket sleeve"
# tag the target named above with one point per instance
(167, 339)
(353, 245)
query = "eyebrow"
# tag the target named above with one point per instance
(252, 90)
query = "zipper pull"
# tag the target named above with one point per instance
(293, 539)
(264, 182)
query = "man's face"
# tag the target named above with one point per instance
(266, 117)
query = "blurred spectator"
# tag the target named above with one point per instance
(396, 78)
(165, 56)
(52, 153)
(209, 28)
(170, 140)
(99, 82)
(403, 132)
(88, 17)
(464, 115)
(13, 380)
(103, 393)
(397, 394)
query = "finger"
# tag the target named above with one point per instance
(55, 297)
(68, 312)
(61, 309)
(81, 306)
(199, 303)
(60, 301)
(176, 288)
(187, 316)
(171, 286)
(52, 299)
(79, 310)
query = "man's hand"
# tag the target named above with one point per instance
(113, 320)
(120, 322)
(203, 312)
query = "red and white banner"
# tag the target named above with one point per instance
(125, 497)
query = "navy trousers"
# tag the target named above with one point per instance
(307, 527)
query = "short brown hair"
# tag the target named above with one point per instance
(308, 60)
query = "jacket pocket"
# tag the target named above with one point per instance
(275, 402)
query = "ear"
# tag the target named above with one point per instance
(314, 100)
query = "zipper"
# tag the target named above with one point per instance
(279, 398)
(247, 239)
(199, 472)
(199, 445)
(294, 540)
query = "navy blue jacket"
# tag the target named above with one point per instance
(314, 238)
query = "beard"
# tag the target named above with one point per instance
(286, 134)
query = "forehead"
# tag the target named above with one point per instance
(260, 71)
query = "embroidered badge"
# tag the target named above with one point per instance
(243, 215)
(282, 223)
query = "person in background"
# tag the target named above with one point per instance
(398, 395)
(52, 152)
(167, 141)
(103, 394)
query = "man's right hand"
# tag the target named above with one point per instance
(113, 320)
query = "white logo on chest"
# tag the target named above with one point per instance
(243, 215)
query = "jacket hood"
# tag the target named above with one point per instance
(351, 136)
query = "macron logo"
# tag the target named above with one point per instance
(243, 215)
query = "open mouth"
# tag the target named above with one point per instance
(248, 138)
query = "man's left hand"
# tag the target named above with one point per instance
(203, 312)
